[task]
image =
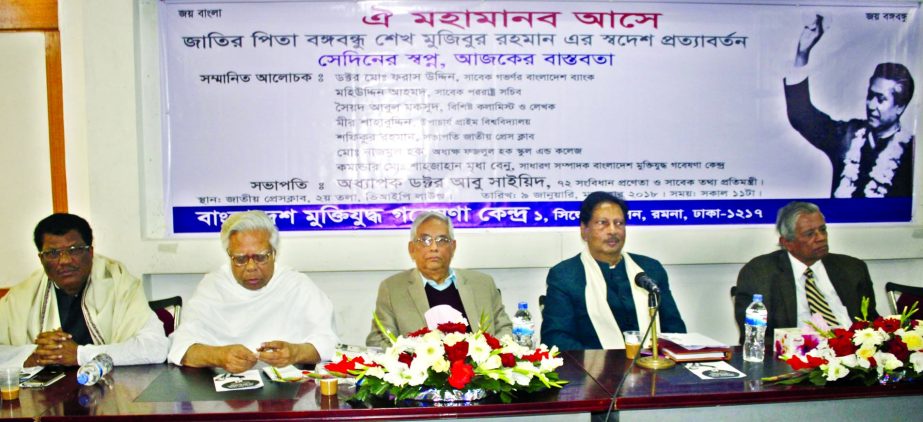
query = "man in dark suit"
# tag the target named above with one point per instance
(781, 276)
(591, 298)
(404, 298)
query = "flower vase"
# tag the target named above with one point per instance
(894, 377)
(451, 396)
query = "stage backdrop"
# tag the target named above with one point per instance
(358, 115)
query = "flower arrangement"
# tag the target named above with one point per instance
(451, 359)
(884, 350)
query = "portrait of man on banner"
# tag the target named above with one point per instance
(871, 157)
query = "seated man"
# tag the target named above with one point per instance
(803, 278)
(249, 310)
(592, 298)
(79, 306)
(404, 297)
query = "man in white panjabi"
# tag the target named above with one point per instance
(79, 305)
(251, 310)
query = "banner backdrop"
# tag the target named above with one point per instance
(358, 115)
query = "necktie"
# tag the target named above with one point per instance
(816, 302)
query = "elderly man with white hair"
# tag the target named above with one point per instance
(251, 310)
(404, 298)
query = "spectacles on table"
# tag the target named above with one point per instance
(428, 241)
(75, 252)
(258, 258)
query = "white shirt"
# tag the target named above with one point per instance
(148, 346)
(822, 280)
(289, 308)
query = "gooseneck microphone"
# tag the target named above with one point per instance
(646, 283)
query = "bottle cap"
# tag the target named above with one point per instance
(757, 297)
(82, 378)
(523, 305)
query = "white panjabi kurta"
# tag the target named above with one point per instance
(289, 308)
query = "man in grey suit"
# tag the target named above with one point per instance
(781, 276)
(404, 297)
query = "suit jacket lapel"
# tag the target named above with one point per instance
(785, 282)
(418, 294)
(468, 301)
(843, 285)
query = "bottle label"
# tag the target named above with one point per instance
(756, 321)
(523, 331)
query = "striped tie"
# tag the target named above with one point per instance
(816, 301)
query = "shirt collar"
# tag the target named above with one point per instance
(449, 281)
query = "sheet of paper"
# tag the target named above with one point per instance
(247, 380)
(287, 374)
(442, 313)
(692, 340)
(714, 370)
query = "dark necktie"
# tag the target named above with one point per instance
(816, 302)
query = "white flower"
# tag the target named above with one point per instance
(550, 364)
(376, 372)
(452, 338)
(913, 339)
(395, 378)
(866, 352)
(869, 337)
(479, 350)
(916, 359)
(429, 351)
(834, 370)
(888, 361)
(492, 362)
(418, 372)
(441, 365)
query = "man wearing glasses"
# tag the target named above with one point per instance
(592, 298)
(82, 304)
(250, 310)
(404, 298)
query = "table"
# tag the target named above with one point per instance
(575, 401)
(677, 394)
(666, 395)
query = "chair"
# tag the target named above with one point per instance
(901, 296)
(168, 311)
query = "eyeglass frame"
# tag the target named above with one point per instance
(440, 241)
(73, 252)
(251, 257)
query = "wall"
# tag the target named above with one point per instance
(112, 127)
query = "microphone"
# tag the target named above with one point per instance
(646, 283)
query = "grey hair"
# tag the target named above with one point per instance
(421, 218)
(249, 221)
(788, 216)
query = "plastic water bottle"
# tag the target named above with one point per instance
(755, 331)
(94, 370)
(523, 327)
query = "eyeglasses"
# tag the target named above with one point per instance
(441, 241)
(75, 252)
(258, 258)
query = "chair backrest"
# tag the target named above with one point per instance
(901, 296)
(168, 311)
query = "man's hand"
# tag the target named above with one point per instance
(281, 353)
(809, 37)
(54, 348)
(236, 358)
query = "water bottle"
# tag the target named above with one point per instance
(523, 327)
(755, 334)
(94, 370)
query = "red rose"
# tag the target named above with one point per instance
(872, 362)
(406, 358)
(452, 327)
(914, 323)
(460, 374)
(859, 325)
(842, 342)
(536, 356)
(508, 359)
(419, 332)
(492, 341)
(898, 348)
(887, 325)
(812, 362)
(456, 352)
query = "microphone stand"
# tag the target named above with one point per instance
(654, 361)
